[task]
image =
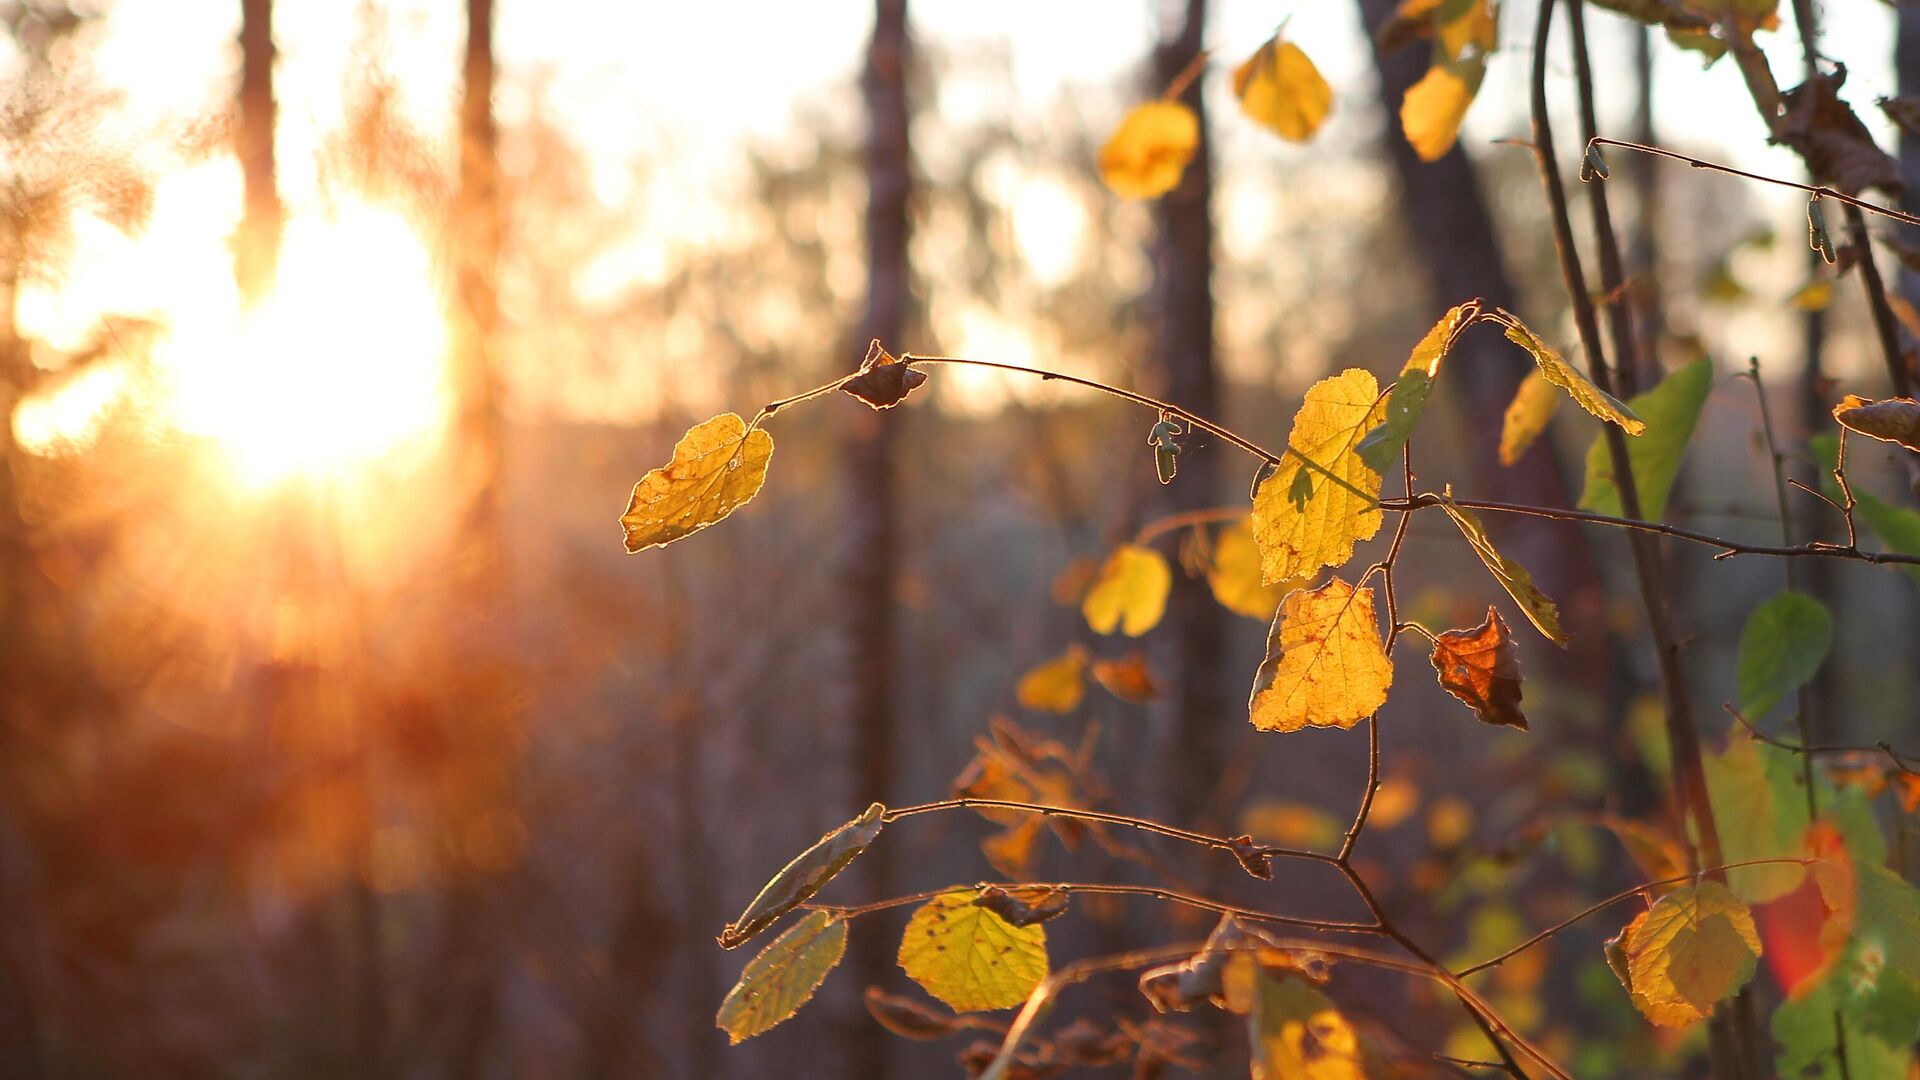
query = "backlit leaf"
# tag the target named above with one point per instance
(1234, 574)
(969, 957)
(1280, 89)
(884, 381)
(796, 882)
(1671, 411)
(1813, 296)
(1657, 854)
(1461, 26)
(1297, 539)
(1482, 669)
(1760, 813)
(1129, 592)
(1325, 666)
(785, 974)
(1781, 648)
(1296, 1033)
(1408, 399)
(1127, 678)
(1527, 415)
(1512, 577)
(1055, 686)
(1696, 946)
(1149, 151)
(1894, 420)
(1433, 108)
(717, 465)
(1566, 377)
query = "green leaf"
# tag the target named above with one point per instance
(784, 976)
(1568, 378)
(1889, 918)
(1803, 1027)
(1540, 611)
(1671, 411)
(1760, 813)
(1897, 526)
(796, 882)
(1408, 400)
(1781, 648)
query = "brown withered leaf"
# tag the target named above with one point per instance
(912, 1019)
(1838, 148)
(1894, 420)
(1904, 111)
(1127, 678)
(1481, 668)
(1024, 905)
(884, 380)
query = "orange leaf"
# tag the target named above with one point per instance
(1479, 667)
(1127, 678)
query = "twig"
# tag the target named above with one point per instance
(1107, 818)
(1903, 762)
(1821, 190)
(1152, 892)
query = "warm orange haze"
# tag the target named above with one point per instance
(1367, 540)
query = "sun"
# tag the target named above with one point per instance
(341, 365)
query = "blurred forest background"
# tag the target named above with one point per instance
(340, 738)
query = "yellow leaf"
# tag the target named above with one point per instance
(1130, 592)
(1813, 296)
(1394, 802)
(1695, 947)
(1325, 666)
(1474, 27)
(1055, 686)
(1527, 416)
(1150, 149)
(1297, 1034)
(1449, 822)
(1513, 577)
(1894, 420)
(1431, 111)
(1234, 574)
(971, 958)
(717, 465)
(1566, 377)
(783, 977)
(1297, 538)
(1280, 89)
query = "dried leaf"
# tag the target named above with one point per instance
(1894, 420)
(1325, 665)
(1280, 89)
(1433, 108)
(717, 466)
(784, 976)
(1565, 376)
(1512, 577)
(1149, 151)
(1024, 905)
(884, 381)
(1129, 593)
(796, 883)
(1482, 669)
(1527, 415)
(1838, 148)
(1904, 111)
(1342, 508)
(1055, 686)
(1127, 678)
(969, 957)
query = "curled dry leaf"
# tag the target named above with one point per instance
(717, 465)
(884, 380)
(1024, 905)
(1325, 665)
(1127, 678)
(1482, 669)
(912, 1019)
(796, 883)
(1280, 89)
(784, 976)
(1838, 148)
(1894, 420)
(1149, 151)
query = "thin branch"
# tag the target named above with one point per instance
(1820, 190)
(1903, 762)
(1234, 848)
(1210, 515)
(1152, 892)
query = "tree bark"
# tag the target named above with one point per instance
(869, 561)
(1194, 724)
(257, 247)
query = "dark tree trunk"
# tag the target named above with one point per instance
(257, 248)
(1453, 235)
(1643, 255)
(868, 569)
(1195, 723)
(478, 228)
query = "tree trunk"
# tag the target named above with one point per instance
(257, 248)
(868, 569)
(1195, 724)
(478, 434)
